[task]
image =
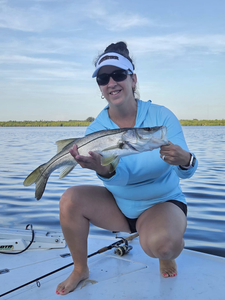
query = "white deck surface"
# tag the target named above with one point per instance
(132, 277)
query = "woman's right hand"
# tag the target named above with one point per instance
(92, 162)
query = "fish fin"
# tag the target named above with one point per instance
(114, 164)
(37, 178)
(63, 143)
(66, 171)
(112, 160)
(106, 160)
(40, 187)
(32, 177)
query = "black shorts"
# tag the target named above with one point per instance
(132, 222)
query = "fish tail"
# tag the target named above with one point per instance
(37, 177)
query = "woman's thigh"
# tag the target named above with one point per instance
(160, 224)
(96, 204)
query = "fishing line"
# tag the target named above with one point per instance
(104, 249)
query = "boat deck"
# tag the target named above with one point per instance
(133, 276)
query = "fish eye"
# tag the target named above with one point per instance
(153, 129)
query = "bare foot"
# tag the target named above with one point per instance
(168, 268)
(71, 282)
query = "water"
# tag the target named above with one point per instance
(23, 149)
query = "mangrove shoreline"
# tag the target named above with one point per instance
(77, 123)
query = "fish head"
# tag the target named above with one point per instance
(152, 137)
(147, 138)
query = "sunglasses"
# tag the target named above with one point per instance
(118, 75)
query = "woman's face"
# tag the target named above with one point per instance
(117, 92)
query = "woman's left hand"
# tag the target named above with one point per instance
(174, 155)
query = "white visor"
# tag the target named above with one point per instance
(113, 59)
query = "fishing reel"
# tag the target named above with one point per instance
(124, 249)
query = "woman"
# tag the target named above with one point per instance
(143, 193)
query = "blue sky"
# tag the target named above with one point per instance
(47, 49)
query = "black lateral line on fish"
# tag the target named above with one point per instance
(119, 130)
(104, 133)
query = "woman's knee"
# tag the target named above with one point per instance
(69, 199)
(163, 247)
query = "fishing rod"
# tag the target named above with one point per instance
(119, 250)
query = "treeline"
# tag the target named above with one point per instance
(196, 122)
(46, 123)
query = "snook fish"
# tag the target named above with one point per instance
(111, 144)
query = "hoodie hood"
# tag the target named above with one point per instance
(142, 110)
(103, 122)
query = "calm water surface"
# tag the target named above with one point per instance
(23, 149)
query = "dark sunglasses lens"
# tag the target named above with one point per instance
(103, 79)
(118, 75)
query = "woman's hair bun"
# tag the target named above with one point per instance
(119, 47)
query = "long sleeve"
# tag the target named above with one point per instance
(144, 179)
(176, 136)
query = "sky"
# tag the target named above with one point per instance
(48, 48)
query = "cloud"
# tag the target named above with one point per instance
(27, 19)
(40, 45)
(44, 15)
(65, 73)
(124, 21)
(110, 15)
(21, 59)
(178, 44)
(24, 68)
(40, 16)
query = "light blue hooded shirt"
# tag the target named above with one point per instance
(143, 180)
